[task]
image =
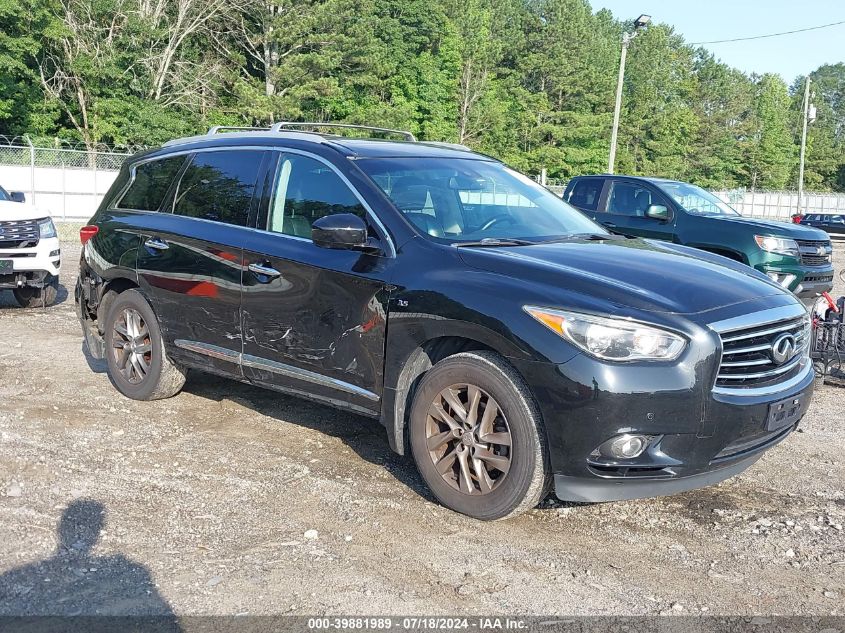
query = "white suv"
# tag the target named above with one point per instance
(30, 255)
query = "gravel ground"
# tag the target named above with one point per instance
(231, 500)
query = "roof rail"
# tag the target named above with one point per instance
(282, 125)
(456, 146)
(227, 128)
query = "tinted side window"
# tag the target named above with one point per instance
(585, 194)
(306, 190)
(219, 186)
(629, 199)
(152, 180)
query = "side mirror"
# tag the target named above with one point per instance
(17, 196)
(343, 231)
(659, 212)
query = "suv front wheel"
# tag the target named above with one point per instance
(477, 437)
(137, 362)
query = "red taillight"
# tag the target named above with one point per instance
(796, 219)
(87, 232)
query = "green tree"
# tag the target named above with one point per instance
(722, 103)
(770, 149)
(22, 108)
(825, 156)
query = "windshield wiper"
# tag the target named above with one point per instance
(591, 237)
(496, 241)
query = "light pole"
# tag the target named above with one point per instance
(640, 23)
(809, 117)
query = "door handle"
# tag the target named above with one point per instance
(264, 271)
(156, 244)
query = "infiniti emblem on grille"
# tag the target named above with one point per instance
(783, 348)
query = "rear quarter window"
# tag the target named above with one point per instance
(150, 184)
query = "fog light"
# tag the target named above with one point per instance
(782, 279)
(623, 446)
(628, 446)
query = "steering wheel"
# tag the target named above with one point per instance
(502, 217)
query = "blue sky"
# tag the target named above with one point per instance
(788, 55)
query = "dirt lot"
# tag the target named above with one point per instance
(208, 503)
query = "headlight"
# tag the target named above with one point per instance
(611, 339)
(46, 228)
(779, 245)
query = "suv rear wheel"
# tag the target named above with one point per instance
(477, 437)
(137, 362)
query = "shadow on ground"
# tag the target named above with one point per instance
(7, 300)
(75, 582)
(365, 436)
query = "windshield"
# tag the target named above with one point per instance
(4, 196)
(468, 200)
(695, 199)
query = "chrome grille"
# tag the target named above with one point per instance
(19, 233)
(750, 355)
(815, 252)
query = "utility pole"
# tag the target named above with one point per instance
(626, 39)
(639, 23)
(803, 145)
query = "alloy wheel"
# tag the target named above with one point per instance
(468, 439)
(132, 346)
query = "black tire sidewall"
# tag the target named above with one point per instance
(145, 389)
(524, 434)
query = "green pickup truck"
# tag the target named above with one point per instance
(795, 256)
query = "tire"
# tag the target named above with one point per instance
(29, 297)
(137, 361)
(503, 480)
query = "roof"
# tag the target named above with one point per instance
(652, 179)
(354, 147)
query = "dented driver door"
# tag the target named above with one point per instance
(313, 319)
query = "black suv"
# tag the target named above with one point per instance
(502, 337)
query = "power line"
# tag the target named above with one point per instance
(759, 37)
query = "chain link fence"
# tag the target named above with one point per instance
(781, 205)
(65, 181)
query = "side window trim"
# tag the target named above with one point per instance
(168, 198)
(606, 185)
(264, 221)
(177, 183)
(272, 150)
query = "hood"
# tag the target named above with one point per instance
(630, 273)
(777, 229)
(20, 211)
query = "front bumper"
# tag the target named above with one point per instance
(806, 282)
(700, 437)
(568, 488)
(34, 266)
